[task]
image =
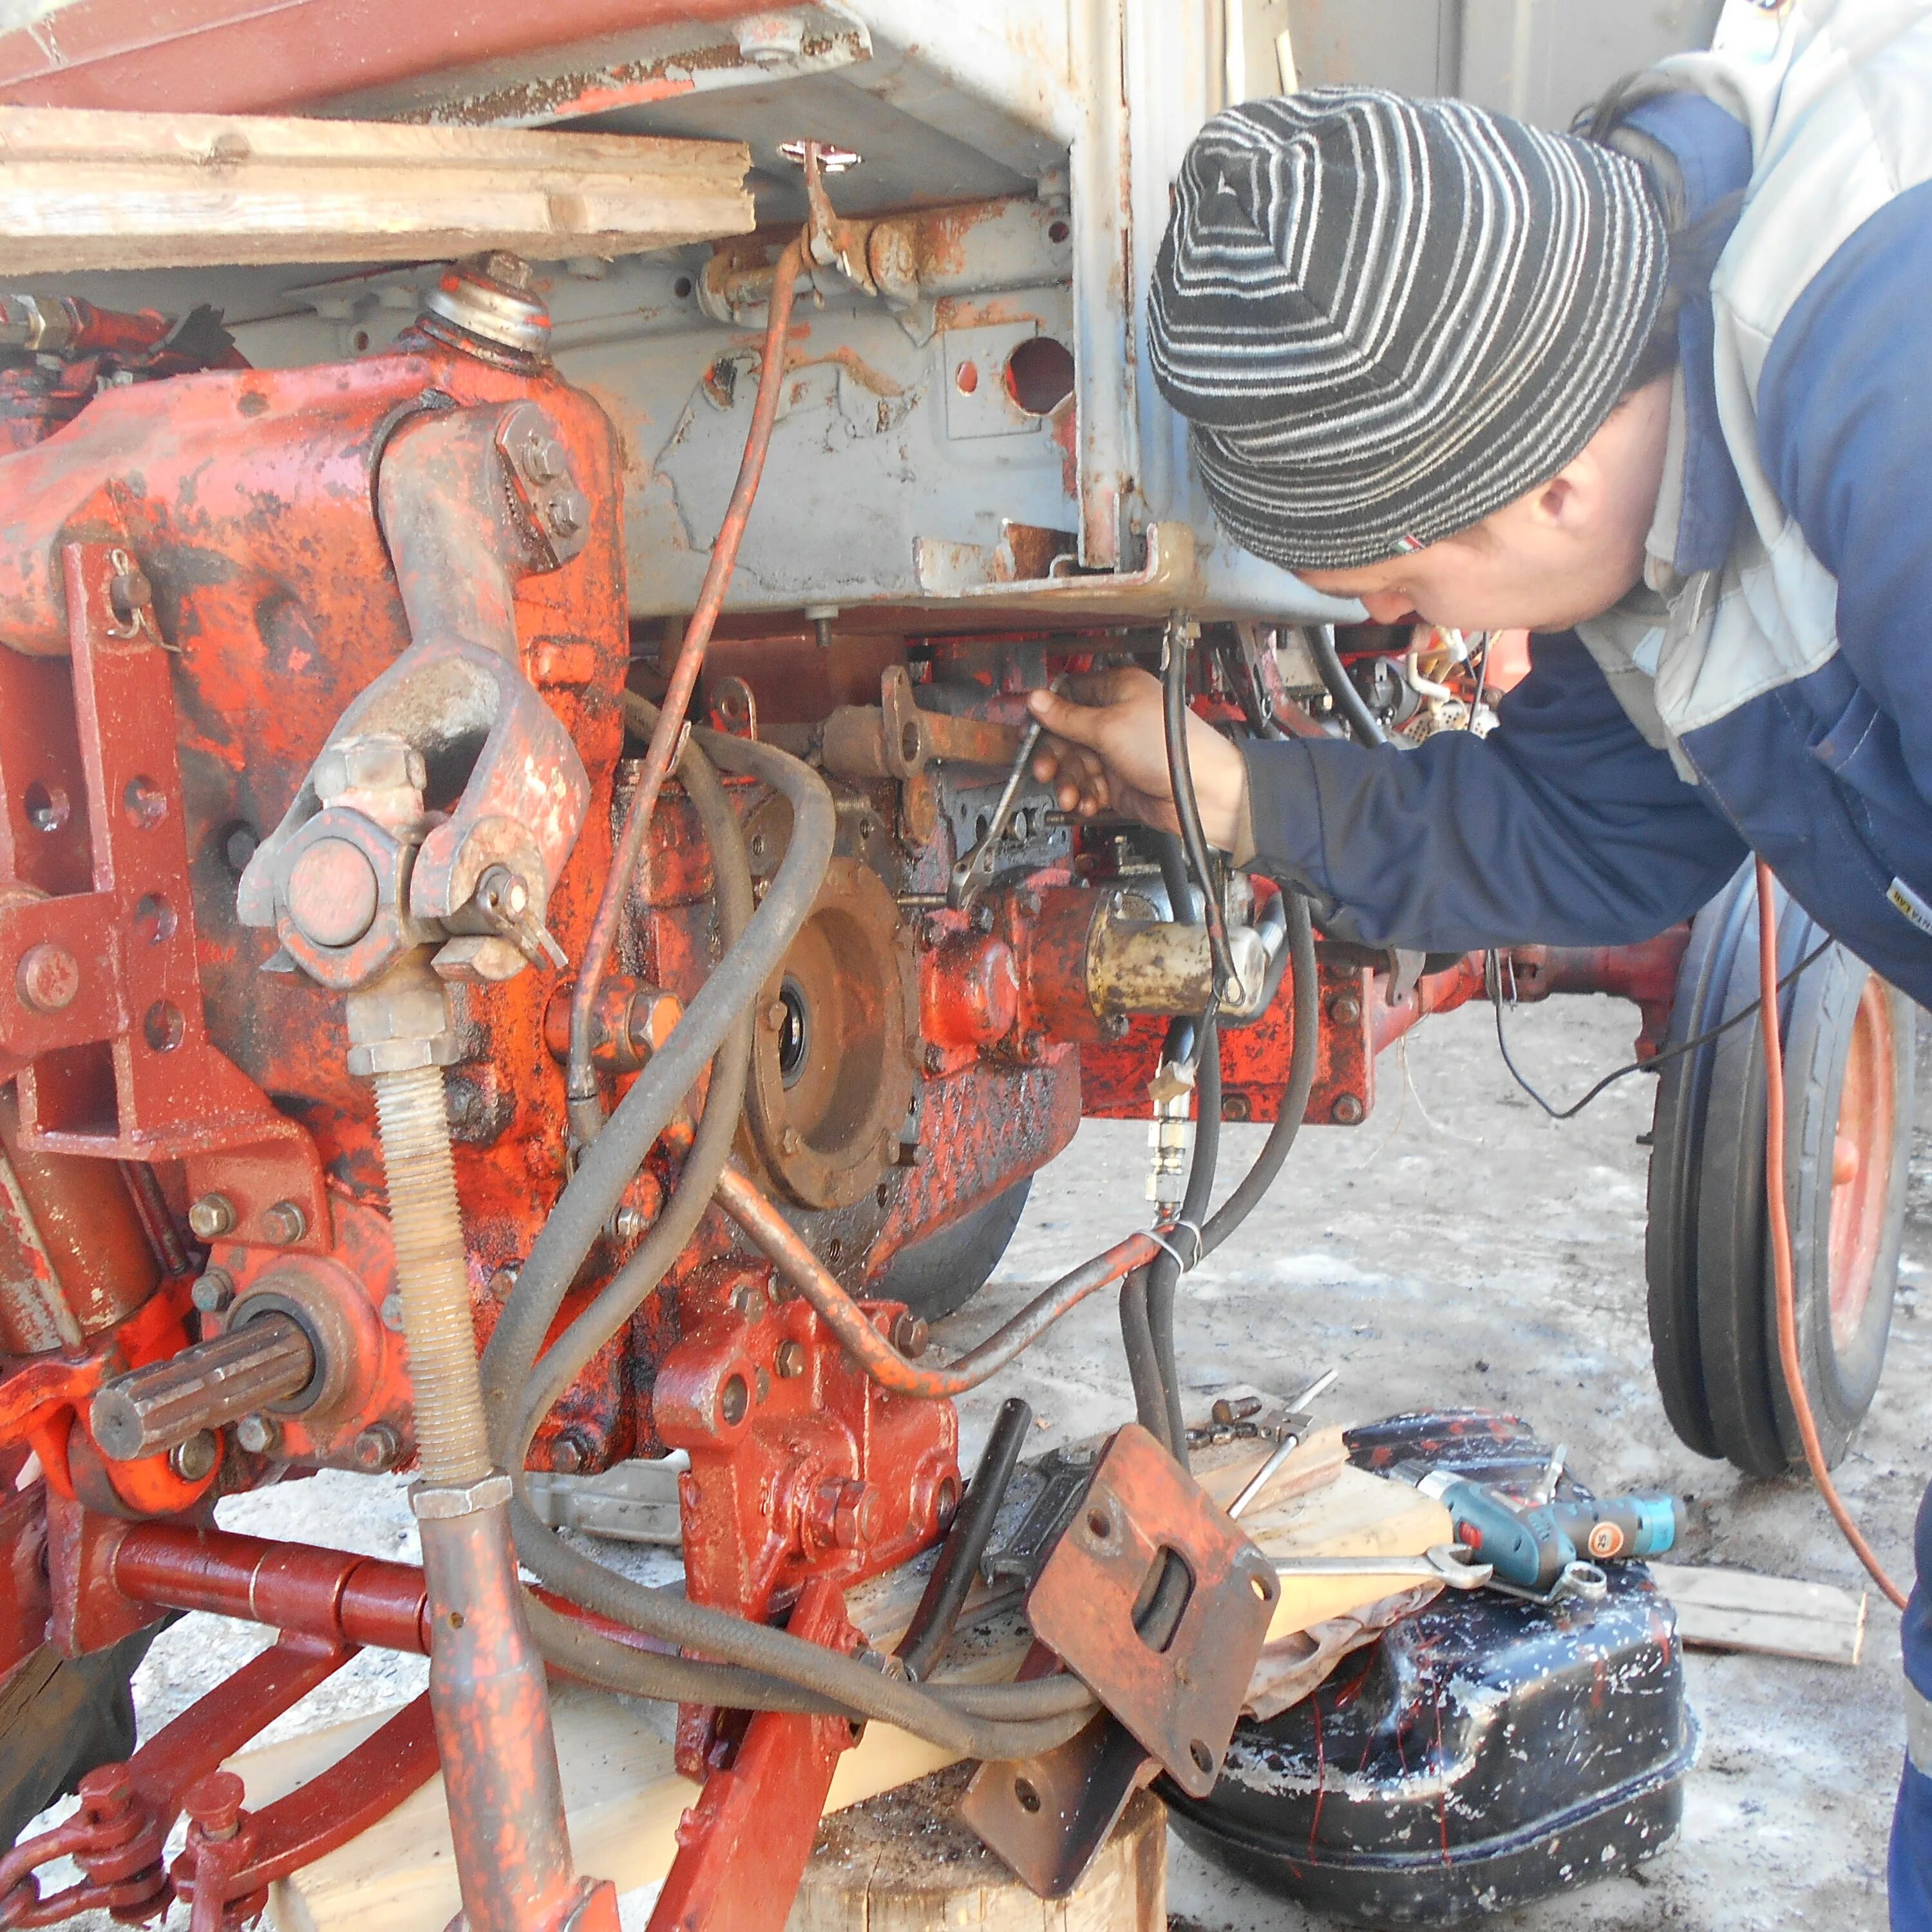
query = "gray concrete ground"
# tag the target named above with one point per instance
(1457, 1249)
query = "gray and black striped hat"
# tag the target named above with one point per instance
(1386, 318)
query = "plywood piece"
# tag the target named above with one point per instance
(903, 1862)
(1738, 1610)
(84, 188)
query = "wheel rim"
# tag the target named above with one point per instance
(1861, 1156)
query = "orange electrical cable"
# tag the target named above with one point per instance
(1782, 1272)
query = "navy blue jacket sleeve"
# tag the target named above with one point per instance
(1563, 826)
(1843, 403)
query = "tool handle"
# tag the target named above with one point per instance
(1616, 1529)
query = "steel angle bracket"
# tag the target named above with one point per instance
(1048, 1815)
(1178, 1684)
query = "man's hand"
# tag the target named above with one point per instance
(1106, 750)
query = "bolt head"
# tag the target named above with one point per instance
(569, 1454)
(195, 1458)
(1348, 1110)
(210, 1217)
(503, 893)
(1345, 1009)
(332, 892)
(512, 271)
(380, 761)
(215, 1804)
(258, 1434)
(375, 1449)
(935, 1060)
(855, 1520)
(284, 1224)
(214, 1291)
(909, 1334)
(983, 918)
(790, 1359)
(541, 457)
(791, 1140)
(627, 1224)
(48, 978)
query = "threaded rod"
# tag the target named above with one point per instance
(431, 1277)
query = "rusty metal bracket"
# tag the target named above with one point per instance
(117, 968)
(1159, 1605)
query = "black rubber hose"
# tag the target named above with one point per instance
(1299, 947)
(610, 1160)
(1348, 701)
(1165, 1270)
(952, 1572)
(1187, 808)
(988, 1721)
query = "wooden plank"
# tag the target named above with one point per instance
(84, 188)
(1778, 1616)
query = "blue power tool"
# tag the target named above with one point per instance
(1534, 1547)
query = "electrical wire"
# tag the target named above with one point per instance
(1493, 975)
(1341, 687)
(1783, 1273)
(1187, 809)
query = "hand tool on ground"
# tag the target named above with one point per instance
(1535, 1550)
(1286, 1447)
(1446, 1563)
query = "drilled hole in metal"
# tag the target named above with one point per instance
(145, 801)
(966, 379)
(1029, 1798)
(1099, 1525)
(1058, 231)
(154, 920)
(681, 288)
(1204, 1759)
(47, 806)
(162, 1026)
(1040, 375)
(733, 1399)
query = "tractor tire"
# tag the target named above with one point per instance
(1848, 1057)
(938, 1277)
(60, 1717)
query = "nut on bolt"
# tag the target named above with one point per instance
(1345, 1009)
(211, 1216)
(213, 1291)
(911, 1334)
(1348, 1110)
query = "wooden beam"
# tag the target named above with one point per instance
(82, 188)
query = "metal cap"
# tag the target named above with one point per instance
(492, 297)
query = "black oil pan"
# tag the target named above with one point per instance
(1483, 1754)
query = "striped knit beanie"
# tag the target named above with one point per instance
(1386, 318)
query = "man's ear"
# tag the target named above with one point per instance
(1567, 503)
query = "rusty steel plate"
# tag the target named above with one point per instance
(1176, 1684)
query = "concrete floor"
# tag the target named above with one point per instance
(1457, 1249)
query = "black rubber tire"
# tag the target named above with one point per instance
(1712, 1315)
(938, 1277)
(59, 1717)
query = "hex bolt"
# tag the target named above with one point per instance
(935, 1059)
(625, 1224)
(211, 1216)
(1348, 1110)
(284, 1224)
(512, 271)
(790, 1359)
(983, 918)
(853, 1509)
(775, 1014)
(106, 1792)
(909, 1334)
(502, 894)
(791, 1140)
(214, 1803)
(48, 978)
(540, 458)
(375, 1448)
(213, 1291)
(501, 1282)
(566, 512)
(259, 1434)
(569, 1454)
(196, 1457)
(1345, 1009)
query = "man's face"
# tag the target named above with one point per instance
(1565, 552)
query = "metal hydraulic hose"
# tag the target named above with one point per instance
(741, 1200)
(585, 1103)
